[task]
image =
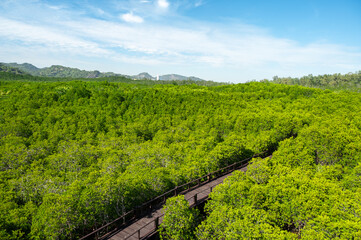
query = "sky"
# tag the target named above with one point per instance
(227, 41)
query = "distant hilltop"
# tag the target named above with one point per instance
(167, 77)
(61, 71)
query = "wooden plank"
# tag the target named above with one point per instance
(117, 237)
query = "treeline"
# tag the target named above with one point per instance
(350, 81)
(75, 154)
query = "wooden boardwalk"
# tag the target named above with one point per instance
(142, 228)
(143, 220)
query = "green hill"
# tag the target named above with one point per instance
(25, 67)
(8, 69)
(58, 71)
(61, 71)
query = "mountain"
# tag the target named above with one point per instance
(8, 69)
(61, 71)
(142, 76)
(58, 71)
(167, 77)
(25, 67)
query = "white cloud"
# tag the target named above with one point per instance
(131, 18)
(51, 38)
(54, 7)
(198, 3)
(197, 43)
(163, 3)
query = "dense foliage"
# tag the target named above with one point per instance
(75, 155)
(179, 221)
(309, 189)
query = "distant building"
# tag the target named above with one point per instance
(157, 77)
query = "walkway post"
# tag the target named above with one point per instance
(156, 223)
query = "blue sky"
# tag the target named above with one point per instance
(229, 40)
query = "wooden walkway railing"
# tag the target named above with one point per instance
(147, 207)
(193, 200)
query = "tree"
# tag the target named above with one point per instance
(179, 220)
